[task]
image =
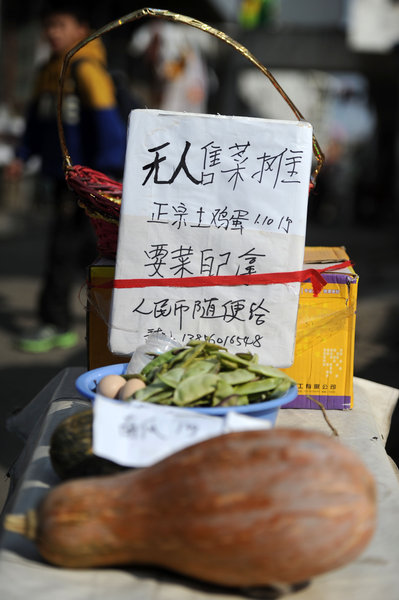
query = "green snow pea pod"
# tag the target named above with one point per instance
(223, 390)
(226, 364)
(266, 371)
(151, 368)
(165, 397)
(237, 376)
(234, 400)
(178, 359)
(251, 358)
(194, 388)
(145, 394)
(233, 358)
(171, 377)
(194, 352)
(282, 387)
(201, 366)
(257, 387)
(209, 346)
(224, 395)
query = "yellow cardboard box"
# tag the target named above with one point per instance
(324, 350)
(325, 338)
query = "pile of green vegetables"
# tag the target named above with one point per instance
(205, 374)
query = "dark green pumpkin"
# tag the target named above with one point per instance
(71, 449)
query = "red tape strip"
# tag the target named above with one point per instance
(314, 275)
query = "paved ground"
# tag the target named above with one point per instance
(374, 249)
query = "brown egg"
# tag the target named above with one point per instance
(131, 386)
(110, 385)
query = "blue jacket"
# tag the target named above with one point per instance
(94, 129)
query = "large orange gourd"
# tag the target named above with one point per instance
(243, 509)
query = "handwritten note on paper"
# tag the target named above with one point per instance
(137, 434)
(207, 196)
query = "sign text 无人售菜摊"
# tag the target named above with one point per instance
(207, 196)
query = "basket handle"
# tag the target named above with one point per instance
(171, 16)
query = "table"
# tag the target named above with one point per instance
(374, 574)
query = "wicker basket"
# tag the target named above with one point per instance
(101, 196)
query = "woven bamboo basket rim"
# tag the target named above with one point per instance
(100, 195)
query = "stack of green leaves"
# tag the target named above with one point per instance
(205, 374)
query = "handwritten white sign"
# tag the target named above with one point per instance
(138, 434)
(209, 196)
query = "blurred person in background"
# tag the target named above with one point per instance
(169, 59)
(95, 136)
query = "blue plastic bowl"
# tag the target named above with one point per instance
(87, 382)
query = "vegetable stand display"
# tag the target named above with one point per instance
(23, 571)
(221, 492)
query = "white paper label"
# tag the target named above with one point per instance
(207, 196)
(139, 434)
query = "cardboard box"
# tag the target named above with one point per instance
(324, 349)
(325, 338)
(100, 279)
